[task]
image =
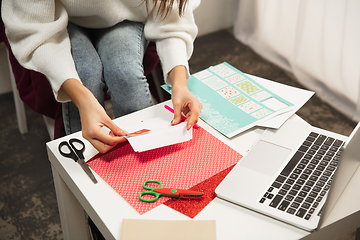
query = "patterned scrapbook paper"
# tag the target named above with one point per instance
(250, 107)
(215, 82)
(221, 103)
(181, 165)
(222, 70)
(202, 75)
(236, 78)
(228, 92)
(248, 87)
(239, 99)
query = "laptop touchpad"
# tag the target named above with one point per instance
(265, 157)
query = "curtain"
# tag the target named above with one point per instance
(318, 41)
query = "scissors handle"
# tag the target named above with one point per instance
(74, 153)
(155, 194)
(151, 181)
(151, 192)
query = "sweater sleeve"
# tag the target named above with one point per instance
(174, 37)
(38, 37)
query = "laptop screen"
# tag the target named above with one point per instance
(348, 164)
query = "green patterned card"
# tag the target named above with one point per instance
(232, 101)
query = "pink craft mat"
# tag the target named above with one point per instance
(181, 166)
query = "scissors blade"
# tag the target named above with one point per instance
(189, 194)
(180, 193)
(86, 168)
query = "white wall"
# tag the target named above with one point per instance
(210, 16)
(214, 15)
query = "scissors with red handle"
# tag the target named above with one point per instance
(158, 191)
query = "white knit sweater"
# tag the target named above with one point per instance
(36, 30)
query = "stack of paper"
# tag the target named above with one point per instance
(234, 102)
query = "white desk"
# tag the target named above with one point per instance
(76, 192)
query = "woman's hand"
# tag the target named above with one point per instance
(183, 101)
(93, 117)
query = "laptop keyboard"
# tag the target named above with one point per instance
(307, 177)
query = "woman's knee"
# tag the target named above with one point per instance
(132, 73)
(122, 45)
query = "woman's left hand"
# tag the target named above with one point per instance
(183, 101)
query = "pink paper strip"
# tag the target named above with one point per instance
(181, 166)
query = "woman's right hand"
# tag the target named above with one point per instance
(93, 117)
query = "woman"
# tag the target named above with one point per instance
(86, 46)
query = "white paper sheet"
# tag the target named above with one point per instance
(161, 134)
(295, 95)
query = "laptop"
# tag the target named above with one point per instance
(289, 174)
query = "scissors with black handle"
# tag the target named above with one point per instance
(76, 154)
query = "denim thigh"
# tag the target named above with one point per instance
(89, 68)
(111, 59)
(121, 50)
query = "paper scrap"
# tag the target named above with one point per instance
(142, 131)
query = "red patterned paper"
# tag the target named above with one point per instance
(191, 208)
(181, 166)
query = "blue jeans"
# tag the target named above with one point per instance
(109, 60)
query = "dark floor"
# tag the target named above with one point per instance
(28, 208)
